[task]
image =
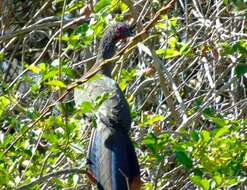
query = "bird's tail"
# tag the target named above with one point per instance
(112, 160)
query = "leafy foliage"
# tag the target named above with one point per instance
(186, 87)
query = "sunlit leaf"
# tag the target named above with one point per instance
(205, 136)
(172, 42)
(4, 103)
(56, 83)
(168, 53)
(35, 88)
(173, 21)
(161, 25)
(50, 74)
(74, 6)
(154, 119)
(95, 77)
(217, 179)
(65, 38)
(204, 183)
(99, 27)
(34, 68)
(222, 131)
(102, 4)
(86, 107)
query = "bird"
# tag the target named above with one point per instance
(112, 160)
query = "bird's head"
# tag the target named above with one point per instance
(122, 30)
(112, 35)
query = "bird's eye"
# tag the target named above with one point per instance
(120, 29)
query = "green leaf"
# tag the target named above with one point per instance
(42, 66)
(205, 136)
(83, 29)
(161, 25)
(99, 27)
(65, 38)
(241, 47)
(198, 172)
(184, 159)
(126, 77)
(209, 112)
(1, 56)
(74, 6)
(4, 103)
(86, 107)
(95, 77)
(74, 37)
(154, 119)
(56, 83)
(229, 182)
(185, 49)
(195, 135)
(168, 53)
(101, 99)
(68, 71)
(35, 88)
(218, 179)
(50, 74)
(160, 51)
(173, 22)
(124, 7)
(150, 139)
(221, 132)
(172, 42)
(204, 183)
(226, 2)
(241, 69)
(102, 4)
(220, 122)
(34, 68)
(121, 6)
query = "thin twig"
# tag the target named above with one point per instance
(50, 175)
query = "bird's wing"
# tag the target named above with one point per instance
(112, 159)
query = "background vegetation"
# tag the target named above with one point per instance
(185, 80)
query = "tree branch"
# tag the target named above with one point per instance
(54, 174)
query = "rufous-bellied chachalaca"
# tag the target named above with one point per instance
(112, 160)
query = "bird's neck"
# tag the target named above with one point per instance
(106, 51)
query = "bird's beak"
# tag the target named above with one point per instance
(131, 30)
(132, 27)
